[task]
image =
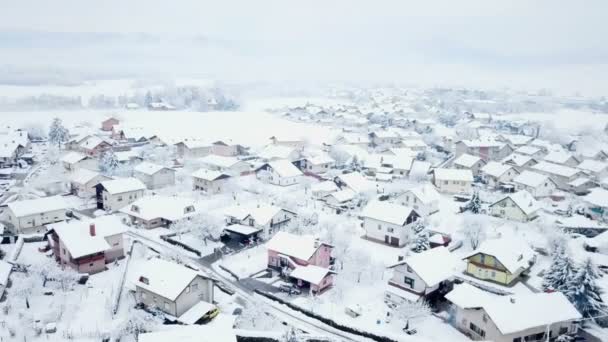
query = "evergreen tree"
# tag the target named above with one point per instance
(584, 291)
(558, 276)
(58, 133)
(108, 163)
(474, 205)
(421, 243)
(418, 226)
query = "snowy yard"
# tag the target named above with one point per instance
(247, 262)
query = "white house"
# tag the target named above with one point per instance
(268, 218)
(469, 162)
(597, 203)
(30, 216)
(83, 181)
(159, 211)
(72, 160)
(495, 173)
(519, 206)
(115, 194)
(581, 186)
(537, 184)
(322, 189)
(275, 152)
(319, 164)
(388, 222)
(279, 172)
(154, 176)
(593, 168)
(487, 149)
(531, 151)
(420, 275)
(519, 161)
(423, 198)
(228, 165)
(453, 180)
(562, 158)
(560, 174)
(171, 288)
(340, 199)
(209, 181)
(512, 318)
(354, 181)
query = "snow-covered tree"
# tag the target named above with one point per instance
(584, 291)
(418, 226)
(206, 226)
(108, 163)
(473, 230)
(559, 275)
(474, 205)
(412, 310)
(58, 134)
(421, 242)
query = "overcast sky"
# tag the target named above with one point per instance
(554, 44)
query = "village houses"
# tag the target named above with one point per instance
(30, 216)
(519, 206)
(388, 223)
(112, 195)
(209, 181)
(158, 211)
(154, 176)
(537, 184)
(423, 198)
(453, 181)
(494, 174)
(469, 162)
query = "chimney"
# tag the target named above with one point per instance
(92, 229)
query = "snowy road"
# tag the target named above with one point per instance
(291, 317)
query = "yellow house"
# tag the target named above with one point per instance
(501, 260)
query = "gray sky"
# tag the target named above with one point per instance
(554, 44)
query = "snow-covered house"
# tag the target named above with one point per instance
(94, 145)
(193, 148)
(341, 199)
(209, 181)
(297, 143)
(453, 180)
(516, 140)
(560, 174)
(423, 198)
(593, 168)
(531, 151)
(593, 154)
(276, 152)
(83, 181)
(279, 172)
(519, 161)
(469, 162)
(420, 275)
(87, 246)
(171, 288)
(486, 149)
(519, 206)
(495, 173)
(388, 222)
(159, 211)
(537, 184)
(322, 189)
(318, 164)
(581, 186)
(381, 138)
(73, 160)
(514, 318)
(108, 124)
(562, 157)
(154, 176)
(597, 203)
(115, 194)
(268, 218)
(354, 139)
(501, 261)
(303, 258)
(30, 216)
(414, 145)
(228, 165)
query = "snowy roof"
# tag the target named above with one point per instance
(466, 160)
(118, 186)
(311, 273)
(325, 186)
(413, 143)
(512, 253)
(516, 313)
(149, 168)
(165, 278)
(73, 157)
(261, 213)
(420, 168)
(284, 168)
(558, 157)
(482, 143)
(38, 205)
(83, 176)
(387, 212)
(209, 175)
(426, 193)
(524, 200)
(276, 152)
(532, 179)
(592, 166)
(298, 246)
(495, 169)
(220, 161)
(93, 141)
(125, 156)
(580, 181)
(528, 150)
(454, 174)
(517, 139)
(195, 313)
(597, 196)
(191, 333)
(354, 138)
(168, 208)
(343, 195)
(556, 169)
(580, 221)
(433, 265)
(242, 229)
(517, 159)
(5, 272)
(320, 159)
(356, 182)
(76, 236)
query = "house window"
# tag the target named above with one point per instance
(390, 230)
(408, 281)
(119, 199)
(194, 287)
(477, 330)
(167, 306)
(517, 339)
(485, 318)
(445, 182)
(409, 269)
(188, 289)
(143, 295)
(91, 265)
(482, 258)
(563, 330)
(379, 227)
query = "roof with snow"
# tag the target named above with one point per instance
(83, 176)
(38, 205)
(517, 159)
(528, 150)
(559, 157)
(285, 168)
(121, 185)
(426, 193)
(73, 157)
(495, 169)
(387, 212)
(168, 208)
(597, 197)
(466, 160)
(76, 236)
(593, 166)
(310, 273)
(276, 152)
(261, 213)
(524, 200)
(356, 182)
(556, 169)
(532, 179)
(155, 272)
(342, 196)
(580, 181)
(482, 143)
(298, 246)
(432, 266)
(320, 159)
(149, 168)
(191, 333)
(209, 175)
(220, 161)
(325, 186)
(514, 254)
(453, 174)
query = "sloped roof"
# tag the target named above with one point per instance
(73, 157)
(524, 200)
(38, 205)
(165, 278)
(454, 174)
(558, 157)
(432, 266)
(83, 176)
(512, 253)
(118, 186)
(209, 175)
(76, 237)
(426, 193)
(495, 169)
(298, 246)
(149, 168)
(532, 179)
(284, 168)
(387, 212)
(466, 160)
(168, 208)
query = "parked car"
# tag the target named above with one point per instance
(290, 289)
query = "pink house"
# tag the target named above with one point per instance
(302, 258)
(108, 124)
